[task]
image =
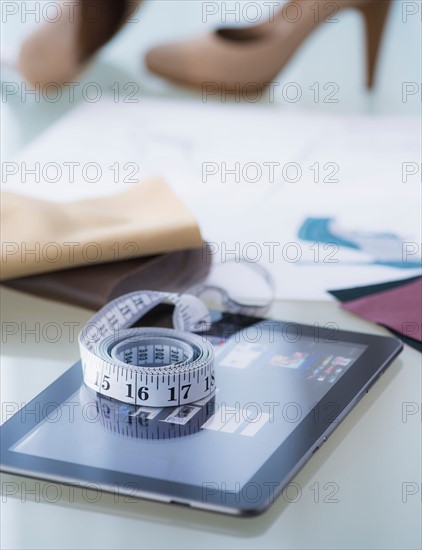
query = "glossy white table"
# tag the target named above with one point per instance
(361, 490)
(374, 456)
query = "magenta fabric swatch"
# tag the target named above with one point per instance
(399, 309)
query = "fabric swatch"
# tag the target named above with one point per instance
(92, 286)
(396, 305)
(346, 294)
(40, 236)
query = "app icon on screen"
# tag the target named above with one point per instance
(292, 361)
(329, 369)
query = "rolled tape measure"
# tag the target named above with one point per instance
(154, 367)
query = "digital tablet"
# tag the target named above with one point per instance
(281, 389)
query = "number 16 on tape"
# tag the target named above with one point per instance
(155, 390)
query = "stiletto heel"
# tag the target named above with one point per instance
(233, 57)
(375, 14)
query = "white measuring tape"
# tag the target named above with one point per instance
(154, 367)
(230, 304)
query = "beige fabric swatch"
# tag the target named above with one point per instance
(38, 236)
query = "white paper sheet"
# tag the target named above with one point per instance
(188, 143)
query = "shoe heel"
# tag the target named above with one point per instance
(375, 14)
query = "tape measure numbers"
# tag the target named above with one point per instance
(155, 367)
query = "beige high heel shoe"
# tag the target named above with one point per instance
(57, 52)
(234, 57)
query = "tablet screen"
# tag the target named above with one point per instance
(269, 377)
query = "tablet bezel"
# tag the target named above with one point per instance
(274, 474)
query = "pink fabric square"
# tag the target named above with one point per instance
(399, 309)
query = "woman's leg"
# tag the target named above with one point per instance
(57, 52)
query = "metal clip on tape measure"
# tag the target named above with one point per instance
(155, 367)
